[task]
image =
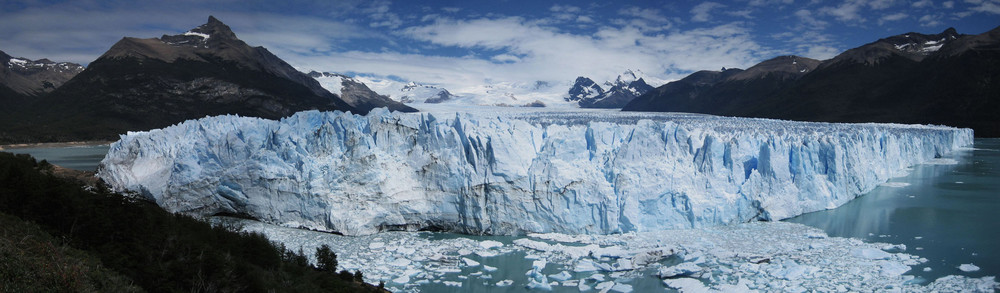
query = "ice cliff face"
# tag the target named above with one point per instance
(512, 173)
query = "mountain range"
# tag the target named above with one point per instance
(141, 84)
(947, 78)
(588, 94)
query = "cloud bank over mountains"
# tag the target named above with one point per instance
(482, 46)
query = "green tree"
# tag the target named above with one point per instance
(326, 260)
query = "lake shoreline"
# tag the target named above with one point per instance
(54, 144)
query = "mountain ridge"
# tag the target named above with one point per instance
(142, 84)
(946, 78)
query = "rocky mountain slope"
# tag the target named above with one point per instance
(141, 84)
(356, 92)
(946, 78)
(25, 77)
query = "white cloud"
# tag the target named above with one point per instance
(808, 20)
(380, 15)
(703, 12)
(988, 6)
(848, 11)
(506, 58)
(644, 13)
(892, 17)
(818, 52)
(923, 3)
(646, 19)
(948, 4)
(881, 4)
(532, 51)
(930, 20)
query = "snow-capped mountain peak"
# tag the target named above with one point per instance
(626, 87)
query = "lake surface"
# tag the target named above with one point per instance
(947, 213)
(944, 211)
(83, 158)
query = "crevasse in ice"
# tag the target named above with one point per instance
(512, 173)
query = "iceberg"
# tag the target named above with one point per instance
(575, 172)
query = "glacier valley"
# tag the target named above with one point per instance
(517, 172)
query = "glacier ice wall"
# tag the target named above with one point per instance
(511, 173)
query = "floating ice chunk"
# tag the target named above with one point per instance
(487, 244)
(539, 264)
(464, 252)
(400, 262)
(895, 184)
(536, 285)
(401, 280)
(695, 257)
(738, 288)
(794, 271)
(604, 285)
(894, 247)
(585, 265)
(892, 269)
(452, 283)
(583, 286)
(597, 277)
(470, 262)
(679, 270)
(968, 267)
(928, 269)
(486, 253)
(489, 268)
(622, 264)
(624, 288)
(686, 285)
(561, 276)
(816, 235)
(942, 161)
(870, 253)
(505, 283)
(376, 245)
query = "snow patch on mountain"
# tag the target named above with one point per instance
(501, 172)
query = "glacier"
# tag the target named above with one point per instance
(514, 172)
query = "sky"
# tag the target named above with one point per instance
(478, 46)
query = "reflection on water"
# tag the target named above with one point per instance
(946, 214)
(83, 158)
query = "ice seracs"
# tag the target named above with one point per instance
(514, 172)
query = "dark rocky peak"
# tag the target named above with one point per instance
(316, 74)
(989, 41)
(584, 88)
(212, 33)
(912, 46)
(783, 67)
(709, 77)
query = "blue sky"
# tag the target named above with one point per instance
(466, 45)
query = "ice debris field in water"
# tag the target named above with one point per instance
(760, 256)
(509, 173)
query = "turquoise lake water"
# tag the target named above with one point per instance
(83, 158)
(946, 214)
